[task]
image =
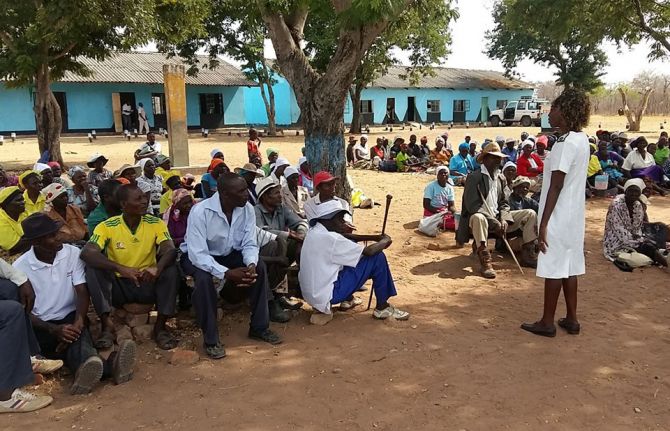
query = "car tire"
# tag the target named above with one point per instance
(495, 121)
(526, 121)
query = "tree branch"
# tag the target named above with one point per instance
(64, 52)
(7, 40)
(656, 35)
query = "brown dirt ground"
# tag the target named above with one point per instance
(460, 362)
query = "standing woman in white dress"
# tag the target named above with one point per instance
(561, 234)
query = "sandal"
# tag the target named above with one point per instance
(539, 329)
(106, 341)
(165, 340)
(571, 327)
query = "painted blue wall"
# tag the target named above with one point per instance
(89, 106)
(286, 105)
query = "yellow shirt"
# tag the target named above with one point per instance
(10, 230)
(167, 174)
(34, 207)
(166, 201)
(594, 166)
(132, 249)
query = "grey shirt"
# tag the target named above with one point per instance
(280, 221)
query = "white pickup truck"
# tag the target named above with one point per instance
(526, 112)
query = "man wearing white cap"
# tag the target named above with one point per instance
(45, 172)
(334, 267)
(277, 171)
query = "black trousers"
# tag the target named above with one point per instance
(205, 299)
(107, 290)
(15, 368)
(10, 292)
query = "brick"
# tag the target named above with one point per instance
(143, 332)
(183, 357)
(134, 320)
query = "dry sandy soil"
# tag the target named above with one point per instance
(460, 363)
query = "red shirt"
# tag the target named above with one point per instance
(252, 148)
(523, 165)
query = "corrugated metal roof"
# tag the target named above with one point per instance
(147, 68)
(446, 77)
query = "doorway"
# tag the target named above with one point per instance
(61, 99)
(211, 110)
(460, 108)
(129, 98)
(390, 117)
(411, 109)
(485, 112)
(158, 108)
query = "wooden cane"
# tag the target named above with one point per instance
(509, 248)
(386, 216)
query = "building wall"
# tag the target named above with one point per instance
(89, 106)
(286, 106)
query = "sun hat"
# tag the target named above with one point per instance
(521, 180)
(352, 139)
(493, 149)
(323, 177)
(125, 167)
(41, 167)
(39, 225)
(265, 185)
(637, 182)
(248, 167)
(8, 193)
(161, 158)
(500, 139)
(94, 158)
(290, 171)
(52, 191)
(398, 138)
(327, 211)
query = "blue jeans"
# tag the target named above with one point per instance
(350, 279)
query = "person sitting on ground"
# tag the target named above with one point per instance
(485, 210)
(151, 184)
(82, 194)
(253, 147)
(461, 165)
(473, 150)
(640, 164)
(45, 173)
(273, 155)
(72, 225)
(438, 197)
(108, 206)
(217, 154)
(362, 154)
(221, 242)
(129, 173)
(510, 149)
(58, 317)
(305, 170)
(171, 184)
(350, 153)
(176, 216)
(624, 225)
(277, 172)
(123, 266)
(529, 164)
(98, 173)
(402, 158)
(17, 343)
(439, 156)
(324, 188)
(519, 199)
(209, 181)
(412, 147)
(541, 147)
(510, 173)
(164, 168)
(7, 180)
(447, 144)
(610, 163)
(378, 153)
(33, 197)
(395, 149)
(662, 156)
(333, 266)
(293, 194)
(424, 149)
(58, 175)
(12, 213)
(250, 175)
(150, 149)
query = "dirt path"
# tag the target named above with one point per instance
(460, 362)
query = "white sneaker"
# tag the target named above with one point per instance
(23, 402)
(390, 311)
(348, 305)
(45, 366)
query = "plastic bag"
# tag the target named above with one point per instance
(431, 225)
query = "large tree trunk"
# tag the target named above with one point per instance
(47, 116)
(635, 116)
(355, 95)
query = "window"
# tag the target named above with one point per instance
(500, 104)
(532, 106)
(347, 106)
(461, 105)
(433, 106)
(158, 103)
(366, 106)
(211, 103)
(521, 106)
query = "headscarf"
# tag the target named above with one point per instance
(290, 171)
(439, 139)
(123, 181)
(269, 151)
(25, 175)
(301, 161)
(509, 165)
(440, 169)
(280, 162)
(463, 145)
(173, 212)
(143, 162)
(213, 164)
(637, 182)
(74, 169)
(53, 164)
(214, 152)
(528, 142)
(41, 167)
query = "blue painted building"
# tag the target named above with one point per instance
(214, 98)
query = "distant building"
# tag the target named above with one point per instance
(214, 98)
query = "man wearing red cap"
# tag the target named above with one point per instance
(324, 187)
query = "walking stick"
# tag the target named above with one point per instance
(386, 216)
(504, 238)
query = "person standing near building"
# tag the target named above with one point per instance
(142, 118)
(561, 234)
(126, 120)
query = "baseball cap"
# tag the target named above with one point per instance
(323, 177)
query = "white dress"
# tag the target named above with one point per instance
(565, 232)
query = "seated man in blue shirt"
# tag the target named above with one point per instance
(220, 241)
(510, 150)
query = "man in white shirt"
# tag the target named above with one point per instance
(126, 111)
(333, 266)
(142, 118)
(221, 241)
(58, 317)
(150, 149)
